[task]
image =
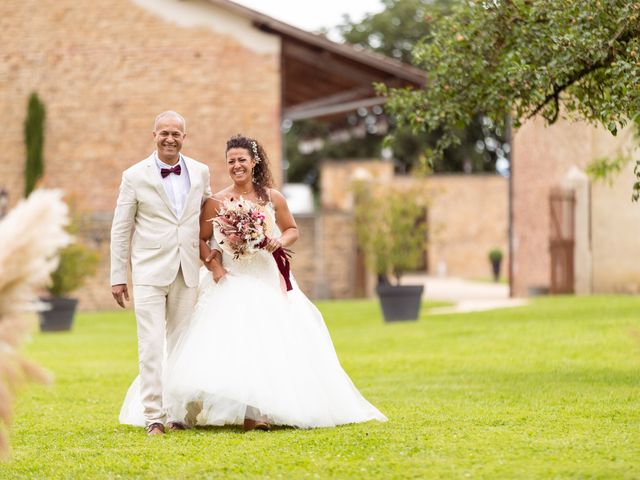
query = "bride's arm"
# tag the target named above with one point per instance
(212, 259)
(285, 221)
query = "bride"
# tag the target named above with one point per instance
(254, 354)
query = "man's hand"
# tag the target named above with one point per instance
(120, 293)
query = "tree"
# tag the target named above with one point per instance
(395, 30)
(523, 58)
(308, 142)
(392, 32)
(34, 142)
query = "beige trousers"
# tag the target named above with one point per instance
(162, 314)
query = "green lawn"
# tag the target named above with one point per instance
(551, 390)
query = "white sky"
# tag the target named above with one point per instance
(313, 15)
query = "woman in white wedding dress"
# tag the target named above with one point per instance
(254, 354)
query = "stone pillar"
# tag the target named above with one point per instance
(578, 181)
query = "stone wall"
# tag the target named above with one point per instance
(337, 177)
(615, 231)
(337, 256)
(543, 157)
(467, 218)
(467, 214)
(95, 294)
(324, 261)
(303, 260)
(104, 70)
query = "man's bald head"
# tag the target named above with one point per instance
(170, 114)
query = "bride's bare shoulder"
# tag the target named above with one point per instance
(210, 206)
(276, 198)
(214, 202)
(223, 194)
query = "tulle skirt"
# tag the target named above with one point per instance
(253, 350)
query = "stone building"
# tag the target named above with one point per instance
(571, 234)
(105, 69)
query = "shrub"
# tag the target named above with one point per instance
(391, 228)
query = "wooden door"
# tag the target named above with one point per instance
(561, 239)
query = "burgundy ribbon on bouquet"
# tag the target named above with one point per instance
(281, 257)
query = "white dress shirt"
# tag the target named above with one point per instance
(176, 186)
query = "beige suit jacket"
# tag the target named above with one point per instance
(162, 242)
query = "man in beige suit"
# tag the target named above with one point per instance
(160, 199)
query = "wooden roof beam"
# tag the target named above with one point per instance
(327, 62)
(296, 113)
(364, 91)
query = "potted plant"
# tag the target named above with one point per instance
(77, 262)
(495, 257)
(391, 230)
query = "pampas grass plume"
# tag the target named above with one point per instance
(31, 236)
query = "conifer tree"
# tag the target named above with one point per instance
(34, 142)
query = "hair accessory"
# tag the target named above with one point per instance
(254, 147)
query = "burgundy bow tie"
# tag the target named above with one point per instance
(166, 171)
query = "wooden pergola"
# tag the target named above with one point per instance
(324, 79)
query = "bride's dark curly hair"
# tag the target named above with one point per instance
(262, 178)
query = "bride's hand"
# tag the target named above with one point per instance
(272, 245)
(218, 272)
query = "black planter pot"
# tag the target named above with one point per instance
(60, 316)
(400, 302)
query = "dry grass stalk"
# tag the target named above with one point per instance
(31, 236)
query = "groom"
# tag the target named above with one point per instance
(160, 199)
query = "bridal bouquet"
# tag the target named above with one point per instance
(242, 228)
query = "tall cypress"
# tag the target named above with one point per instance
(34, 142)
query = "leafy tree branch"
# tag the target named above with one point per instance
(523, 58)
